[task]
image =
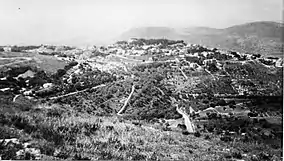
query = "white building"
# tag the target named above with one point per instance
(7, 48)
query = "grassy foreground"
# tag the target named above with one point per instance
(52, 132)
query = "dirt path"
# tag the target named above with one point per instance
(127, 100)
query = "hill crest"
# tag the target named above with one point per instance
(263, 37)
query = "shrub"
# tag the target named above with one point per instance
(226, 138)
(237, 155)
(197, 134)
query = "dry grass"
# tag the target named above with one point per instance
(59, 133)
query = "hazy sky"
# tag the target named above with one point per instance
(60, 21)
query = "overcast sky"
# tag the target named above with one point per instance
(59, 21)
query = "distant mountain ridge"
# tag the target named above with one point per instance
(263, 37)
(151, 32)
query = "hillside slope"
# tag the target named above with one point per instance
(103, 103)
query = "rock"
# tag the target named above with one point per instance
(254, 157)
(20, 153)
(47, 85)
(28, 93)
(26, 145)
(33, 152)
(232, 133)
(279, 63)
(5, 89)
(27, 74)
(175, 156)
(13, 140)
(267, 133)
(244, 155)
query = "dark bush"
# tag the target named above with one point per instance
(60, 73)
(197, 134)
(237, 155)
(221, 103)
(252, 114)
(185, 132)
(54, 112)
(182, 126)
(73, 63)
(46, 148)
(265, 156)
(207, 137)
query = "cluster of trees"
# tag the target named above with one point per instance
(96, 53)
(163, 42)
(31, 82)
(248, 70)
(216, 86)
(240, 57)
(87, 80)
(22, 48)
(198, 60)
(121, 42)
(219, 56)
(253, 70)
(266, 62)
(212, 68)
(261, 76)
(255, 130)
(198, 49)
(152, 96)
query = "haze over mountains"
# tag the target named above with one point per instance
(264, 37)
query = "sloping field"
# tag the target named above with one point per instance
(47, 63)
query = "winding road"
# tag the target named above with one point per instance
(188, 123)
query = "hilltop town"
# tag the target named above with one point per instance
(185, 59)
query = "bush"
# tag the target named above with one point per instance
(221, 103)
(60, 73)
(197, 134)
(226, 138)
(237, 155)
